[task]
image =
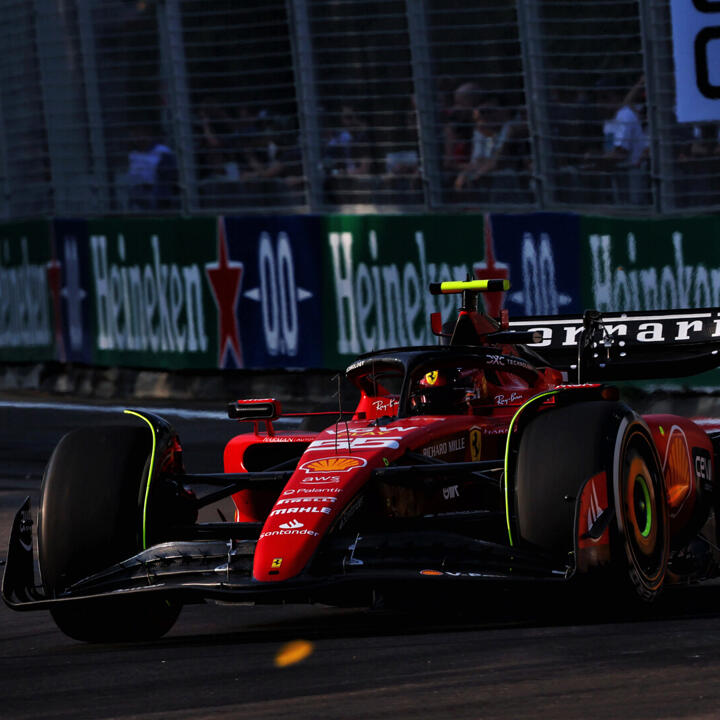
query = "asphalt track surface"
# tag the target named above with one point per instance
(533, 656)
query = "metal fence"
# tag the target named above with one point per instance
(216, 106)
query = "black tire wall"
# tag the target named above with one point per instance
(90, 518)
(559, 450)
(89, 515)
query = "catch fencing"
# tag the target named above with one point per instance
(178, 107)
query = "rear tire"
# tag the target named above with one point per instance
(559, 451)
(89, 519)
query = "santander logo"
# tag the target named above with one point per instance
(292, 525)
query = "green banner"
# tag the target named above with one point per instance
(650, 264)
(152, 303)
(28, 284)
(310, 291)
(376, 273)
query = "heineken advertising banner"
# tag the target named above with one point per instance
(650, 264)
(377, 271)
(191, 293)
(378, 268)
(74, 341)
(29, 319)
(314, 291)
(279, 302)
(149, 292)
(540, 253)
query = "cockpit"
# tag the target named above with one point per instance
(442, 382)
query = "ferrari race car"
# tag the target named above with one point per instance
(498, 455)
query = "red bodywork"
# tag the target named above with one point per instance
(473, 460)
(336, 463)
(485, 385)
(686, 456)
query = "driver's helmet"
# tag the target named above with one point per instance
(437, 393)
(434, 378)
(448, 391)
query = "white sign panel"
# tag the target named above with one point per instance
(696, 49)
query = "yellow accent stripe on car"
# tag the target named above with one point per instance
(534, 399)
(150, 472)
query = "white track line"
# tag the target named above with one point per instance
(184, 413)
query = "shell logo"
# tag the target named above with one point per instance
(333, 464)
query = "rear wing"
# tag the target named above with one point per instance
(626, 345)
(633, 345)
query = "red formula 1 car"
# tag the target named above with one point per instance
(498, 455)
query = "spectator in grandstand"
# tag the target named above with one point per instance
(151, 178)
(458, 127)
(625, 143)
(274, 153)
(271, 164)
(699, 163)
(574, 133)
(401, 171)
(348, 161)
(219, 132)
(516, 165)
(347, 151)
(703, 142)
(624, 138)
(571, 122)
(490, 143)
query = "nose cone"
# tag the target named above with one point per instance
(332, 471)
(290, 537)
(314, 497)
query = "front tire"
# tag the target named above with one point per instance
(89, 519)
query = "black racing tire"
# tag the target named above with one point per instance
(559, 451)
(89, 518)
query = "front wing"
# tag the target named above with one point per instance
(222, 570)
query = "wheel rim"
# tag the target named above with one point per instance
(643, 519)
(640, 504)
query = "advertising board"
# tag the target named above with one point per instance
(268, 292)
(29, 298)
(650, 264)
(378, 269)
